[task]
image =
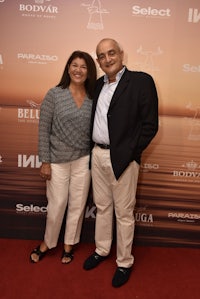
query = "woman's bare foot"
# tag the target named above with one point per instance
(67, 255)
(38, 253)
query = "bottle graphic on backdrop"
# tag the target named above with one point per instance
(95, 15)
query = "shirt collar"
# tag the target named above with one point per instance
(118, 76)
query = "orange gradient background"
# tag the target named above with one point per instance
(166, 45)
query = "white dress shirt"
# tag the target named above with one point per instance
(100, 128)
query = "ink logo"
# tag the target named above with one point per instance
(37, 58)
(150, 12)
(193, 15)
(25, 161)
(95, 12)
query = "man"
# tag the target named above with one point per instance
(125, 120)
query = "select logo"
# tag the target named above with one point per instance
(150, 12)
(20, 208)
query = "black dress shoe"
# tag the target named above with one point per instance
(93, 260)
(121, 276)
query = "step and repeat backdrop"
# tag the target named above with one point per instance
(158, 37)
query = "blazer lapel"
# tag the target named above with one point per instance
(118, 91)
(120, 88)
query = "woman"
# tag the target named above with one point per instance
(64, 146)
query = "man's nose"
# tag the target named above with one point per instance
(107, 57)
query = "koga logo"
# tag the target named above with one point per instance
(90, 212)
(30, 209)
(193, 15)
(191, 68)
(37, 58)
(143, 217)
(150, 12)
(180, 215)
(25, 161)
(50, 9)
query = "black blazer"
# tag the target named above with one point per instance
(132, 118)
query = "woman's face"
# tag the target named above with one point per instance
(78, 71)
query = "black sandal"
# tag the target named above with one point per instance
(39, 253)
(69, 255)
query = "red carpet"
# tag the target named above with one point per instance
(159, 273)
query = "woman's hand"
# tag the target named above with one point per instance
(45, 171)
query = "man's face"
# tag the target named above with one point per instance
(110, 58)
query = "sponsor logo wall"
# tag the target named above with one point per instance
(158, 37)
